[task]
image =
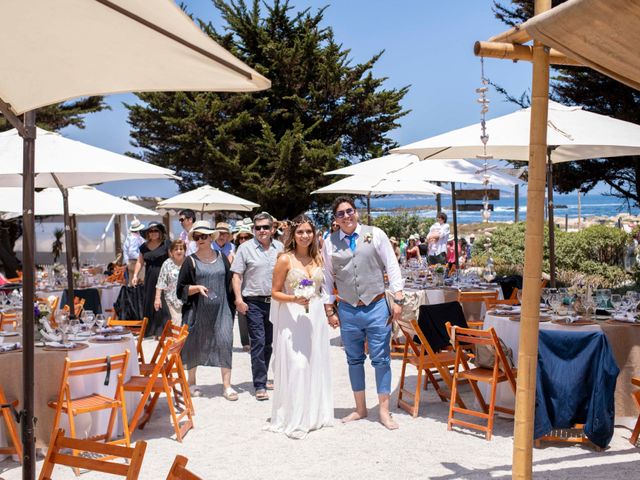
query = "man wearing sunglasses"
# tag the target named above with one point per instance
(252, 277)
(186, 218)
(356, 258)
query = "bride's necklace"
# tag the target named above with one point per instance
(304, 262)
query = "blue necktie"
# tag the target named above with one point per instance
(352, 241)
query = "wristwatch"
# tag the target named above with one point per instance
(398, 301)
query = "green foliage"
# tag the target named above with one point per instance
(595, 253)
(403, 225)
(273, 146)
(597, 93)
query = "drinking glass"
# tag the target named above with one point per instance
(616, 301)
(555, 301)
(100, 320)
(63, 325)
(545, 295)
(606, 297)
(74, 327)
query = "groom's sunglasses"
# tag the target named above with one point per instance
(345, 213)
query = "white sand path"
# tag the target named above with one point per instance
(228, 441)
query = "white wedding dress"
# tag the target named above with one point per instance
(302, 396)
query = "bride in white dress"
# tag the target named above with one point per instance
(302, 397)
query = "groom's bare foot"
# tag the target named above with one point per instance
(387, 421)
(353, 416)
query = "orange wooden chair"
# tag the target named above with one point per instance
(426, 361)
(488, 297)
(15, 446)
(179, 470)
(132, 455)
(636, 397)
(10, 319)
(169, 331)
(78, 306)
(118, 275)
(167, 377)
(501, 372)
(96, 401)
(137, 327)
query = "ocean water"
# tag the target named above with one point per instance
(592, 205)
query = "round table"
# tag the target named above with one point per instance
(108, 295)
(48, 374)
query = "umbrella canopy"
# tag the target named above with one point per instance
(572, 134)
(207, 199)
(363, 185)
(83, 201)
(408, 166)
(577, 29)
(56, 51)
(73, 163)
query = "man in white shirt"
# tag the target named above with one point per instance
(131, 249)
(437, 240)
(186, 218)
(355, 259)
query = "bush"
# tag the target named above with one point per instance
(403, 225)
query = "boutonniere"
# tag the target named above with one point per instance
(368, 237)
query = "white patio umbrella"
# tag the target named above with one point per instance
(577, 29)
(572, 134)
(54, 51)
(368, 185)
(207, 199)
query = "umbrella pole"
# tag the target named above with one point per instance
(552, 223)
(74, 237)
(454, 209)
(529, 324)
(516, 203)
(68, 241)
(369, 209)
(117, 236)
(28, 294)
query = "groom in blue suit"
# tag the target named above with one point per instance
(356, 258)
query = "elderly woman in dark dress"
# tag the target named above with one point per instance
(204, 286)
(153, 252)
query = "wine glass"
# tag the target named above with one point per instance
(100, 320)
(545, 295)
(606, 297)
(616, 302)
(555, 302)
(74, 327)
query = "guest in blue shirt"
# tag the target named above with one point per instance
(223, 243)
(131, 249)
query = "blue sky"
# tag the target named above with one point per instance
(428, 45)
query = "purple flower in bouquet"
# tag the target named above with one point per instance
(305, 289)
(305, 282)
(36, 312)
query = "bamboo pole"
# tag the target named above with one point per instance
(552, 222)
(512, 51)
(513, 35)
(529, 324)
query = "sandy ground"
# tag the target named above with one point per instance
(228, 441)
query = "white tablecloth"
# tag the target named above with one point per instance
(108, 295)
(86, 424)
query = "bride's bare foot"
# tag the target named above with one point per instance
(387, 421)
(353, 416)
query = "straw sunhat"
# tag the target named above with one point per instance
(244, 230)
(136, 226)
(223, 227)
(203, 226)
(157, 226)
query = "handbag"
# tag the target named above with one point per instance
(486, 356)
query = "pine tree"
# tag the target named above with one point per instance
(272, 147)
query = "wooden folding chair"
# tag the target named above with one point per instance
(96, 401)
(636, 397)
(10, 319)
(179, 470)
(134, 456)
(488, 297)
(424, 359)
(169, 331)
(118, 275)
(501, 372)
(137, 327)
(15, 446)
(167, 375)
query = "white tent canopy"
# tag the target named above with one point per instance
(83, 200)
(407, 166)
(112, 52)
(365, 185)
(207, 199)
(572, 134)
(74, 163)
(601, 34)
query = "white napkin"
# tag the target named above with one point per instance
(627, 317)
(116, 329)
(52, 337)
(566, 318)
(108, 337)
(47, 326)
(7, 347)
(60, 345)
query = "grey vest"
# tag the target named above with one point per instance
(359, 275)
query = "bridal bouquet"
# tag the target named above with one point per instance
(305, 289)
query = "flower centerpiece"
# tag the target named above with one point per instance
(305, 289)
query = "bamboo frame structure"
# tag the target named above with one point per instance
(534, 240)
(515, 51)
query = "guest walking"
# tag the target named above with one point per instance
(153, 253)
(252, 277)
(204, 288)
(243, 234)
(131, 249)
(186, 218)
(223, 243)
(168, 282)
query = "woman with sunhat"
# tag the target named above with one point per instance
(204, 286)
(153, 253)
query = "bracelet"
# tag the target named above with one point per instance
(331, 312)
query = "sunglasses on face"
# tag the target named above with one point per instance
(153, 231)
(181, 220)
(242, 239)
(345, 213)
(257, 228)
(200, 236)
